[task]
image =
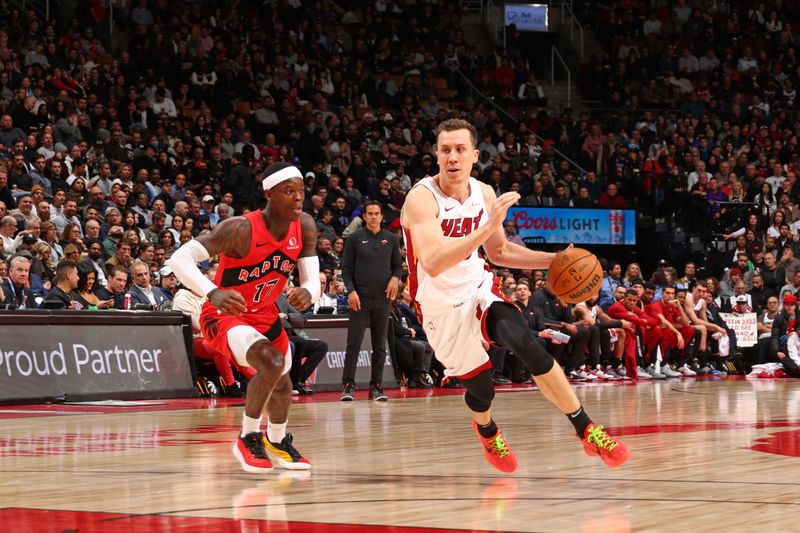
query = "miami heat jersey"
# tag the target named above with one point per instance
(457, 220)
(261, 275)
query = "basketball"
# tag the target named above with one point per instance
(575, 275)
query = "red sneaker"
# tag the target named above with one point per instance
(597, 442)
(249, 450)
(497, 451)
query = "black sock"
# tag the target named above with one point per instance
(580, 420)
(489, 430)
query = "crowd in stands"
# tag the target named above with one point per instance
(112, 155)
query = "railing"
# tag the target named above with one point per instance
(472, 6)
(553, 55)
(493, 21)
(513, 119)
(41, 7)
(567, 16)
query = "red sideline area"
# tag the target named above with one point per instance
(46, 521)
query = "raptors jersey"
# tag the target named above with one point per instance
(461, 281)
(261, 275)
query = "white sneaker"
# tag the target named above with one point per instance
(588, 376)
(667, 371)
(655, 375)
(575, 376)
(686, 371)
(601, 374)
(641, 373)
(622, 372)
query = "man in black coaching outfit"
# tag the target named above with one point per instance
(371, 269)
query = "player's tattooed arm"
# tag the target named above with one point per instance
(231, 237)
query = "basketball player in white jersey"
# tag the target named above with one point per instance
(446, 218)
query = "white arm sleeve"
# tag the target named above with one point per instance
(184, 265)
(309, 275)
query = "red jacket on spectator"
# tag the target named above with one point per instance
(612, 202)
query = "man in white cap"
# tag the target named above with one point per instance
(208, 209)
(258, 252)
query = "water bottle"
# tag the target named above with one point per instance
(404, 322)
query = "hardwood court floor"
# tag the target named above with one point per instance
(707, 456)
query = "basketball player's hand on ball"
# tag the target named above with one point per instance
(299, 297)
(230, 303)
(497, 214)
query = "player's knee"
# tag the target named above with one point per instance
(480, 392)
(541, 363)
(479, 403)
(265, 357)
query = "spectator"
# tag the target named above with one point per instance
(790, 288)
(15, 289)
(88, 286)
(8, 228)
(142, 292)
(511, 233)
(773, 276)
(789, 263)
(609, 286)
(25, 211)
(115, 287)
(327, 261)
(611, 198)
(64, 293)
(371, 270)
(791, 359)
(782, 327)
(168, 283)
(413, 356)
(123, 252)
(325, 303)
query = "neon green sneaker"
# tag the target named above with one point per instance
(497, 451)
(597, 442)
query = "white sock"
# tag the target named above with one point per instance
(250, 425)
(275, 432)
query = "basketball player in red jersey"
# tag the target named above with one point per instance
(446, 218)
(258, 252)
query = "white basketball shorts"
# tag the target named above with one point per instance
(456, 334)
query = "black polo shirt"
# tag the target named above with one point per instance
(369, 261)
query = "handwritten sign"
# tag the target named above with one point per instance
(744, 326)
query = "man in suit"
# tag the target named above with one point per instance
(142, 292)
(15, 288)
(115, 287)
